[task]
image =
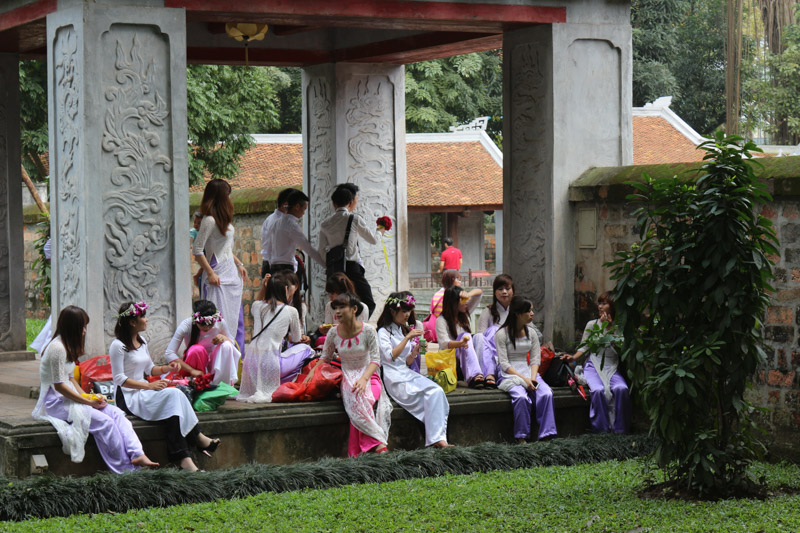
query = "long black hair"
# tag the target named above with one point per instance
(503, 280)
(123, 328)
(450, 312)
(69, 326)
(276, 289)
(205, 308)
(395, 302)
(297, 299)
(519, 305)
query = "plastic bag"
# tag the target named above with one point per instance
(327, 377)
(209, 400)
(97, 368)
(441, 360)
(547, 357)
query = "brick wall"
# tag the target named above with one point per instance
(776, 385)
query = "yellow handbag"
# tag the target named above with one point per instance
(441, 360)
(446, 379)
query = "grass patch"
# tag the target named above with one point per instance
(64, 496)
(591, 497)
(32, 328)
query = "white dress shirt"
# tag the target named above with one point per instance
(266, 234)
(287, 236)
(332, 230)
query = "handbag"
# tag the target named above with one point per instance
(441, 360)
(446, 379)
(336, 258)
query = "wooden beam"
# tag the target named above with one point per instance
(421, 47)
(35, 10)
(258, 56)
(397, 14)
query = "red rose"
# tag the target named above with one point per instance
(385, 223)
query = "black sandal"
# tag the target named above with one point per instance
(211, 448)
(477, 383)
(490, 382)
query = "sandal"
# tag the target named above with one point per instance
(209, 450)
(490, 382)
(382, 449)
(477, 383)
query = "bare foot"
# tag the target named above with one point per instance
(188, 464)
(522, 441)
(441, 444)
(203, 441)
(143, 461)
(381, 449)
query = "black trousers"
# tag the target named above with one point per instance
(276, 268)
(355, 272)
(265, 269)
(177, 444)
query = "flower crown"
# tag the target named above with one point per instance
(201, 320)
(136, 309)
(409, 301)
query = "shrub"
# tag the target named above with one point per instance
(690, 298)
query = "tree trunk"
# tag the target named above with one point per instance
(733, 93)
(34, 193)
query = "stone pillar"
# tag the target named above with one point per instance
(12, 286)
(567, 107)
(118, 163)
(354, 131)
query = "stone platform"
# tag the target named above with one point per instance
(267, 433)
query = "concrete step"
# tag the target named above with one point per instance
(23, 355)
(20, 378)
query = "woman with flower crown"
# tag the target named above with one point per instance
(210, 348)
(130, 364)
(398, 337)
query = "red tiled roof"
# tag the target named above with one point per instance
(269, 165)
(655, 141)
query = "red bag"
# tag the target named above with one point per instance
(97, 368)
(547, 358)
(326, 378)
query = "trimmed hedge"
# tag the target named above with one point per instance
(51, 496)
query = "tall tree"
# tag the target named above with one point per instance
(33, 116)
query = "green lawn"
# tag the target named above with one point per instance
(32, 328)
(590, 497)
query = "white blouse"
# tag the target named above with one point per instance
(486, 320)
(516, 357)
(210, 241)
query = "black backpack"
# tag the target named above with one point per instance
(336, 258)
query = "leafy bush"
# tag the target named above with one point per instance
(690, 298)
(51, 496)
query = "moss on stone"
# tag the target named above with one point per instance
(245, 201)
(32, 215)
(608, 183)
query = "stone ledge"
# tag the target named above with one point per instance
(245, 201)
(782, 175)
(287, 433)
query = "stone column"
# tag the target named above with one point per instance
(354, 131)
(12, 286)
(119, 186)
(567, 107)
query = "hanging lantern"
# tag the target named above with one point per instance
(246, 32)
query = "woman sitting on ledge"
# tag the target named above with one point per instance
(210, 348)
(365, 401)
(453, 331)
(74, 416)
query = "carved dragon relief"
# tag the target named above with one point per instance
(71, 259)
(371, 164)
(137, 214)
(529, 170)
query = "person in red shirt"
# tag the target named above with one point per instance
(451, 256)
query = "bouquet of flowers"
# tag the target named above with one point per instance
(385, 223)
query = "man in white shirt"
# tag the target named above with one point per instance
(287, 236)
(331, 234)
(266, 230)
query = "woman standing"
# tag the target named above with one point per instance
(610, 408)
(130, 363)
(453, 331)
(519, 355)
(221, 283)
(210, 347)
(364, 399)
(398, 335)
(273, 318)
(74, 416)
